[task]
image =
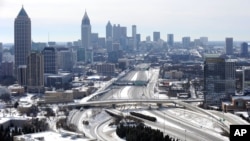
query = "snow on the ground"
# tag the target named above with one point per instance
(124, 92)
(51, 136)
(160, 120)
(195, 118)
(116, 137)
(26, 98)
(107, 129)
(244, 114)
(204, 121)
(134, 77)
(76, 117)
(85, 99)
(160, 96)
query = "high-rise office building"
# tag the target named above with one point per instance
(204, 41)
(170, 40)
(138, 38)
(86, 35)
(22, 75)
(229, 46)
(105, 69)
(186, 42)
(94, 40)
(109, 30)
(120, 35)
(22, 38)
(80, 54)
(246, 79)
(50, 57)
(65, 60)
(7, 68)
(244, 50)
(156, 36)
(197, 42)
(109, 45)
(35, 72)
(219, 80)
(101, 42)
(134, 37)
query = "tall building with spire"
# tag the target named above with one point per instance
(109, 30)
(85, 36)
(22, 38)
(109, 36)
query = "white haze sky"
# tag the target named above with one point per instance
(215, 19)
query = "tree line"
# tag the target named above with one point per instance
(140, 132)
(32, 126)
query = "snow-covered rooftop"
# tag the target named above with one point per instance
(50, 136)
(241, 97)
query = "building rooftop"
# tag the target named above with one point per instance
(212, 55)
(22, 13)
(241, 97)
(49, 136)
(85, 20)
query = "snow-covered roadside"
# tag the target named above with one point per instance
(161, 120)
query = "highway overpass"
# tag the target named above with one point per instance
(130, 101)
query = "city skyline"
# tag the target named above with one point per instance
(54, 21)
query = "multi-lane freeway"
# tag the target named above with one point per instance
(140, 98)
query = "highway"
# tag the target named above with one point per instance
(232, 119)
(136, 95)
(196, 133)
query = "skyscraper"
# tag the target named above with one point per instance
(186, 42)
(65, 60)
(120, 35)
(219, 80)
(35, 72)
(156, 36)
(138, 40)
(204, 41)
(109, 30)
(244, 50)
(86, 35)
(22, 38)
(50, 65)
(229, 46)
(134, 37)
(170, 40)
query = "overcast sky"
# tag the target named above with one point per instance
(215, 19)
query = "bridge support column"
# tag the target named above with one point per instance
(113, 106)
(159, 105)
